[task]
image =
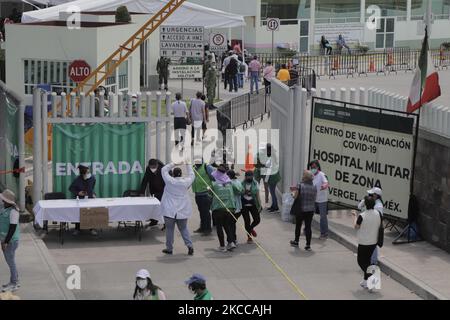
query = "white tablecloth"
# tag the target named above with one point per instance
(120, 209)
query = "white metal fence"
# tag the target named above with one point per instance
(153, 109)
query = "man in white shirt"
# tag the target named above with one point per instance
(376, 194)
(176, 205)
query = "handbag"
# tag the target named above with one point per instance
(380, 233)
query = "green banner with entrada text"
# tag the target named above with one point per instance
(114, 153)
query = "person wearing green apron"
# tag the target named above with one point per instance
(9, 236)
(197, 286)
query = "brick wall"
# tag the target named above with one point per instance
(432, 187)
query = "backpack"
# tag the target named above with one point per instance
(242, 68)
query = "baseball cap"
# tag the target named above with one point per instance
(375, 191)
(143, 274)
(195, 278)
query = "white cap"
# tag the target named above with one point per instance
(143, 274)
(375, 191)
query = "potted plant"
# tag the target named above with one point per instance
(122, 15)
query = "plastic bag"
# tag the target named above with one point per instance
(288, 201)
(374, 281)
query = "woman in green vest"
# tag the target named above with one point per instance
(9, 236)
(223, 205)
(145, 289)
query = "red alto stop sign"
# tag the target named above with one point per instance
(79, 70)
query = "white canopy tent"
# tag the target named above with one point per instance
(188, 14)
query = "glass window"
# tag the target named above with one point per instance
(285, 9)
(389, 40)
(327, 9)
(390, 8)
(379, 43)
(439, 7)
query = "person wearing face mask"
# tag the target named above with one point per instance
(9, 237)
(376, 194)
(250, 205)
(176, 205)
(83, 187)
(201, 186)
(321, 183)
(197, 286)
(222, 205)
(153, 182)
(145, 289)
(267, 164)
(237, 190)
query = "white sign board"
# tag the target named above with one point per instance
(359, 150)
(186, 42)
(186, 71)
(218, 42)
(352, 32)
(273, 24)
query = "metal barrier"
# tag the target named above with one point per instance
(358, 63)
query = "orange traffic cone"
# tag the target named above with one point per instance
(372, 66)
(249, 161)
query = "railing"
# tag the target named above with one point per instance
(385, 62)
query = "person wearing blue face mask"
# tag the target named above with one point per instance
(321, 183)
(83, 187)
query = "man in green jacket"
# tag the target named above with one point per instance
(201, 187)
(197, 285)
(250, 205)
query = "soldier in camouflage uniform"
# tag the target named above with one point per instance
(211, 83)
(163, 71)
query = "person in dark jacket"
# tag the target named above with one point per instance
(154, 182)
(83, 187)
(231, 72)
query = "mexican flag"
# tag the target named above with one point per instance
(425, 87)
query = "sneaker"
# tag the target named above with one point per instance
(199, 230)
(6, 285)
(294, 243)
(169, 252)
(363, 284)
(308, 248)
(11, 287)
(323, 237)
(222, 249)
(236, 243)
(250, 240)
(191, 251)
(94, 232)
(231, 246)
(76, 233)
(206, 233)
(253, 233)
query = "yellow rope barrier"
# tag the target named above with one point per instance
(266, 254)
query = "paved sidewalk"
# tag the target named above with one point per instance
(40, 277)
(419, 266)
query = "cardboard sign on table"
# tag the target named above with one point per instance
(94, 218)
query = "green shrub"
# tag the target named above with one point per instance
(122, 15)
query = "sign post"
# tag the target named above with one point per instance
(79, 70)
(182, 72)
(182, 42)
(273, 24)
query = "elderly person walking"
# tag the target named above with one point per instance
(368, 225)
(9, 236)
(303, 208)
(176, 205)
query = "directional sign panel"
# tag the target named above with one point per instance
(176, 41)
(186, 71)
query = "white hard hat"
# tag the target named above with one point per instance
(375, 191)
(143, 274)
